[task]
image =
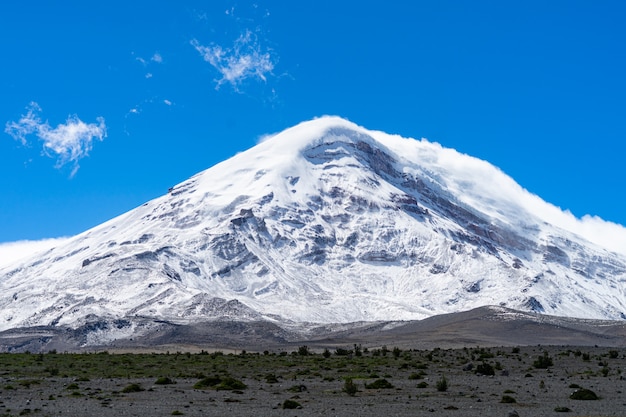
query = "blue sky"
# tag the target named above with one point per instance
(105, 105)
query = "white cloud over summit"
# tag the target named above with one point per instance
(68, 142)
(13, 252)
(245, 59)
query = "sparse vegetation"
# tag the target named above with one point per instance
(313, 378)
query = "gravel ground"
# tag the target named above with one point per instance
(319, 391)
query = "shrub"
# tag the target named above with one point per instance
(583, 394)
(229, 383)
(416, 375)
(543, 362)
(177, 413)
(163, 380)
(326, 353)
(342, 352)
(485, 369)
(515, 350)
(379, 384)
(442, 384)
(562, 409)
(303, 351)
(297, 388)
(396, 352)
(207, 382)
(132, 388)
(349, 387)
(291, 404)
(271, 379)
(613, 354)
(507, 399)
(422, 384)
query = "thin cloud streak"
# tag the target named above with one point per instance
(244, 60)
(68, 142)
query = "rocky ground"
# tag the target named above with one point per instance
(102, 384)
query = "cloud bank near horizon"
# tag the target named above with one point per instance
(67, 142)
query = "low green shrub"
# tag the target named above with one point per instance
(349, 387)
(291, 405)
(164, 380)
(442, 384)
(379, 384)
(583, 394)
(132, 388)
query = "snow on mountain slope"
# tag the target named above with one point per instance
(326, 222)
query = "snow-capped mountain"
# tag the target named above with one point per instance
(326, 222)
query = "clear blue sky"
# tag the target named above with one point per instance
(104, 105)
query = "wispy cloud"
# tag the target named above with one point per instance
(68, 142)
(245, 59)
(12, 253)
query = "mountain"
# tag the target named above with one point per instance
(325, 222)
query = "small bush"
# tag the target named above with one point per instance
(164, 380)
(442, 384)
(342, 352)
(507, 399)
(543, 362)
(613, 354)
(485, 369)
(297, 388)
(422, 384)
(562, 409)
(379, 384)
(229, 383)
(574, 386)
(416, 375)
(349, 387)
(132, 388)
(291, 405)
(177, 413)
(271, 379)
(207, 382)
(583, 394)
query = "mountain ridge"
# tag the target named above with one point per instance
(325, 222)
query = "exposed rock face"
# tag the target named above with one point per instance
(326, 222)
